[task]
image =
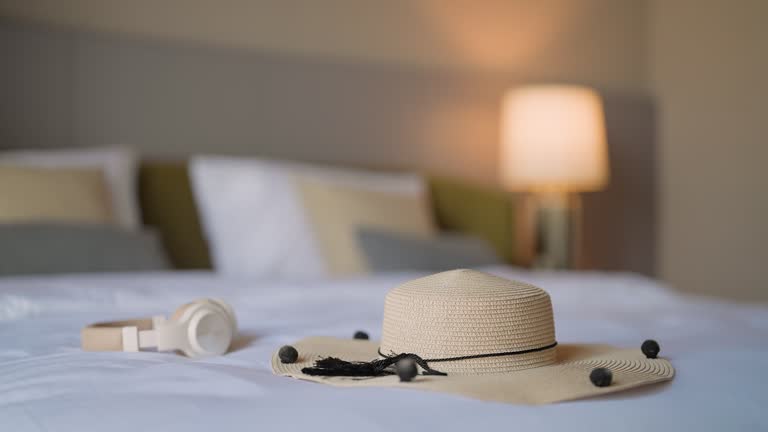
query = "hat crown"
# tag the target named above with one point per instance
(462, 313)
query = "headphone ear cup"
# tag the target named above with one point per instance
(229, 311)
(179, 312)
(211, 330)
(209, 326)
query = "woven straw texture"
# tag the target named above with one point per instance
(464, 312)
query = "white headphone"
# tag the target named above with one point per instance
(202, 328)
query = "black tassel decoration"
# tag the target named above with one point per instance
(332, 366)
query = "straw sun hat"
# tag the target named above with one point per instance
(477, 335)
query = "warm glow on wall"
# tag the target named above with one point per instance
(553, 138)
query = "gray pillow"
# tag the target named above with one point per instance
(29, 249)
(392, 251)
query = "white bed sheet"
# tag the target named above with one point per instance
(48, 384)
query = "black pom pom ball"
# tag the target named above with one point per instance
(406, 369)
(650, 348)
(361, 335)
(601, 377)
(288, 354)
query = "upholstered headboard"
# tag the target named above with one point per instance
(64, 88)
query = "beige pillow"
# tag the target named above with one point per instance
(53, 195)
(336, 212)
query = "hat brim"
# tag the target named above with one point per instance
(567, 379)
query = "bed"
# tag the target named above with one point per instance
(48, 383)
(427, 121)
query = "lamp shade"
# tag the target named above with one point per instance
(553, 138)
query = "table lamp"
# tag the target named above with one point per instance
(553, 145)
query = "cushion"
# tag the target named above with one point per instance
(337, 211)
(28, 249)
(253, 216)
(168, 206)
(117, 164)
(489, 213)
(391, 251)
(53, 195)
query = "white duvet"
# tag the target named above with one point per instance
(47, 383)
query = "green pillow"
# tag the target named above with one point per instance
(482, 211)
(168, 205)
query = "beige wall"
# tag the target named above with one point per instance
(709, 69)
(593, 41)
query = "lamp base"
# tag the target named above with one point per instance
(557, 233)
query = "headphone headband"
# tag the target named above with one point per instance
(181, 332)
(127, 335)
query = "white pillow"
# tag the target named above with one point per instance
(118, 163)
(253, 217)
